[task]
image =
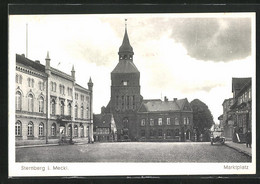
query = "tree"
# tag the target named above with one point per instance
(202, 117)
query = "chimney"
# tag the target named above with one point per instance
(174, 99)
(165, 99)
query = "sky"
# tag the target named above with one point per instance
(191, 56)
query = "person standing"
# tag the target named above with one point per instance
(248, 138)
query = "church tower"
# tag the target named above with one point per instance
(125, 89)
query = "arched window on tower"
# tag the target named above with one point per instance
(61, 108)
(41, 104)
(30, 129)
(18, 101)
(30, 103)
(41, 129)
(18, 128)
(76, 111)
(53, 105)
(82, 112)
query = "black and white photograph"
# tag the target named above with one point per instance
(132, 94)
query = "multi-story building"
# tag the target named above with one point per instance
(241, 109)
(135, 117)
(49, 103)
(237, 112)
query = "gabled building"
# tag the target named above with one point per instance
(237, 111)
(241, 109)
(137, 119)
(50, 104)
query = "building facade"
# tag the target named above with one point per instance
(135, 119)
(50, 104)
(237, 111)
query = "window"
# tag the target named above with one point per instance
(176, 121)
(143, 122)
(249, 93)
(123, 100)
(160, 132)
(177, 132)
(76, 111)
(69, 130)
(184, 121)
(30, 103)
(133, 102)
(41, 129)
(76, 131)
(159, 121)
(41, 104)
(20, 79)
(87, 112)
(62, 108)
(76, 96)
(152, 133)
(168, 121)
(127, 102)
(53, 129)
(69, 109)
(142, 133)
(29, 82)
(32, 82)
(169, 132)
(188, 121)
(16, 78)
(82, 112)
(18, 128)
(81, 131)
(18, 101)
(151, 122)
(53, 109)
(30, 129)
(54, 86)
(125, 83)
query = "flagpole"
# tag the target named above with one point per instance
(27, 40)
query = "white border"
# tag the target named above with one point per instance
(130, 169)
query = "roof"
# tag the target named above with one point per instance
(161, 106)
(60, 73)
(238, 83)
(29, 63)
(125, 66)
(80, 87)
(99, 119)
(126, 47)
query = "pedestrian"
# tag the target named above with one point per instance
(248, 138)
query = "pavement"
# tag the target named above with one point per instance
(240, 147)
(42, 143)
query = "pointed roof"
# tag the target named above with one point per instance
(73, 70)
(90, 81)
(238, 83)
(125, 67)
(47, 57)
(126, 47)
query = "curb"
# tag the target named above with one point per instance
(46, 145)
(239, 150)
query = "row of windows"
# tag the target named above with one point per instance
(186, 121)
(30, 129)
(125, 102)
(18, 102)
(19, 80)
(159, 132)
(102, 131)
(30, 82)
(62, 109)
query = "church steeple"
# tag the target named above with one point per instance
(126, 50)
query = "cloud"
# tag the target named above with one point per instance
(214, 39)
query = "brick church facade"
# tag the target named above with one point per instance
(136, 119)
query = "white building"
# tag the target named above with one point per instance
(50, 104)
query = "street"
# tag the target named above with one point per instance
(132, 152)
